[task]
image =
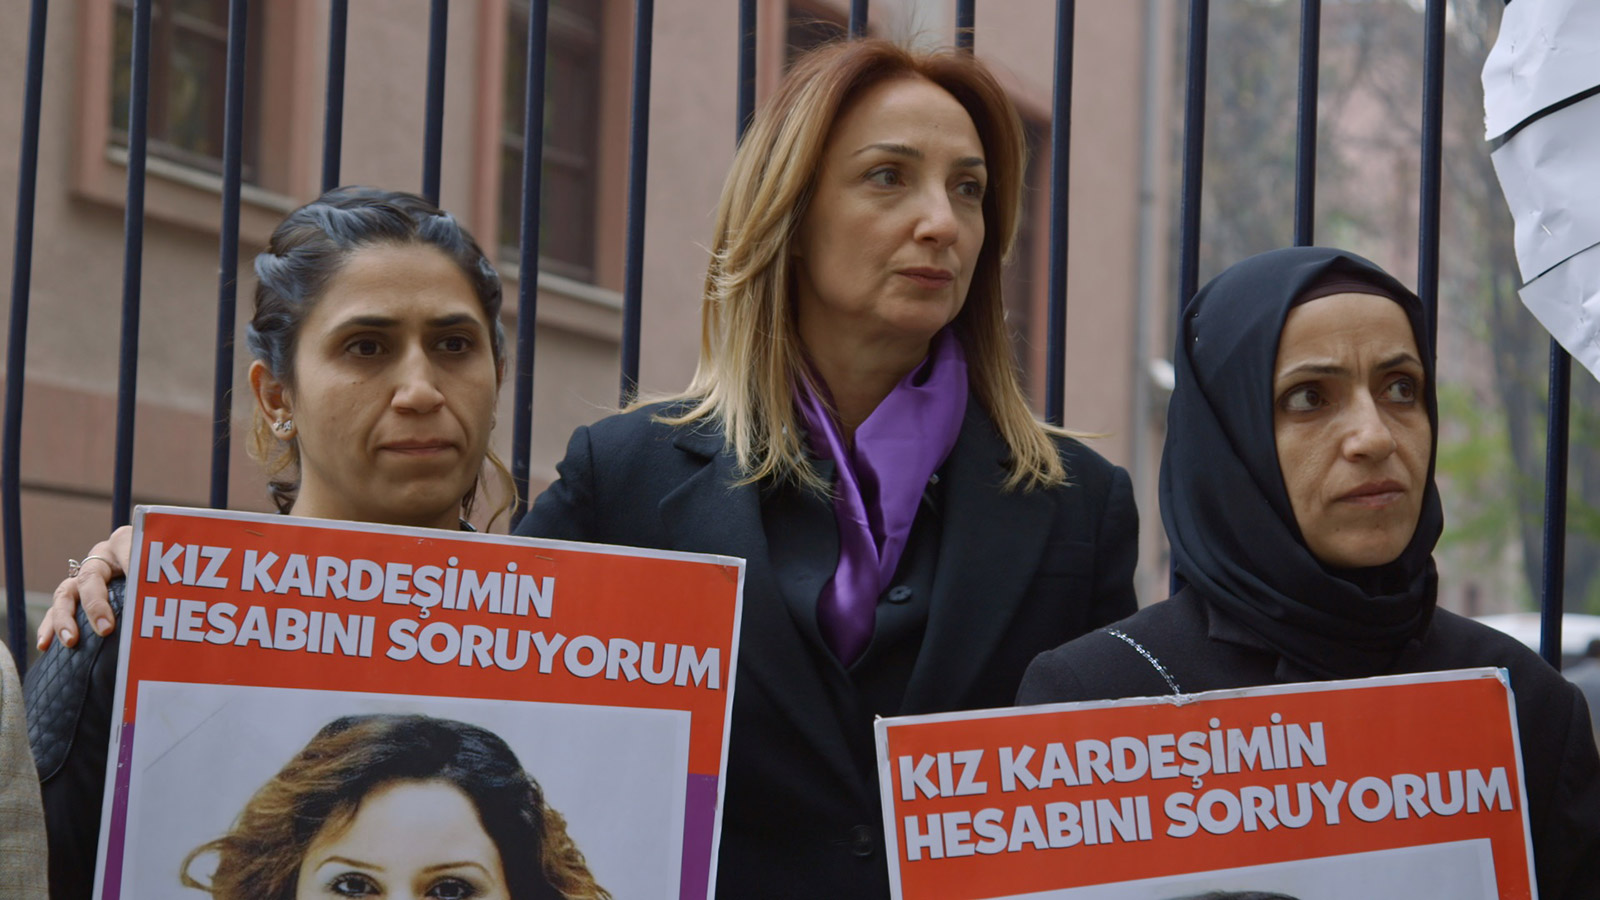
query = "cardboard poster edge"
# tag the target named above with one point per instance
(891, 834)
(727, 724)
(1180, 700)
(130, 614)
(1522, 785)
(510, 540)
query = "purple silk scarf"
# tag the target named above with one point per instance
(879, 484)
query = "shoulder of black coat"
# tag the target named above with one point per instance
(1457, 642)
(1086, 469)
(643, 423)
(1106, 666)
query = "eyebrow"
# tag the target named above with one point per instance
(1315, 367)
(906, 150)
(347, 861)
(461, 864)
(1400, 359)
(447, 321)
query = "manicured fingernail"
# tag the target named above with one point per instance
(102, 626)
(66, 637)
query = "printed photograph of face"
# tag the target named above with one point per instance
(1460, 870)
(422, 838)
(270, 793)
(1237, 895)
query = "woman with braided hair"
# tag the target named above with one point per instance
(378, 359)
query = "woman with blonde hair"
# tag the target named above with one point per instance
(857, 433)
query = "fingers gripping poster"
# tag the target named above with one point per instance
(1391, 788)
(324, 709)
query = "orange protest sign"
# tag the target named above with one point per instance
(1386, 788)
(256, 649)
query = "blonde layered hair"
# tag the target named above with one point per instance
(751, 354)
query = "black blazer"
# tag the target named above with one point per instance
(1203, 650)
(1017, 573)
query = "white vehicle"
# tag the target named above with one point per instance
(1577, 630)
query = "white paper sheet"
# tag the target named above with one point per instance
(1550, 173)
(1566, 301)
(1547, 51)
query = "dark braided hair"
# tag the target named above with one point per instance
(306, 251)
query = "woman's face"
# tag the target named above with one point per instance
(1352, 431)
(886, 249)
(408, 839)
(394, 389)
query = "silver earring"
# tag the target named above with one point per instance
(284, 428)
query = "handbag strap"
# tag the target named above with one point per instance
(1149, 657)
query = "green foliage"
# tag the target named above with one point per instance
(1474, 460)
(1493, 399)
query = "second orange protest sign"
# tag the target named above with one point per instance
(1278, 788)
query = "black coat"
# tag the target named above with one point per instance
(1202, 650)
(1015, 573)
(69, 695)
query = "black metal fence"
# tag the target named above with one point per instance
(533, 119)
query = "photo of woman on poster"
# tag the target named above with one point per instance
(1237, 895)
(397, 806)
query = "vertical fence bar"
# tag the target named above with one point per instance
(1432, 164)
(747, 67)
(966, 19)
(1194, 140)
(1060, 175)
(433, 128)
(1553, 583)
(1305, 155)
(132, 265)
(858, 18)
(333, 106)
(17, 338)
(638, 157)
(228, 252)
(528, 250)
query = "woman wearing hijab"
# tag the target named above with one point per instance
(1297, 490)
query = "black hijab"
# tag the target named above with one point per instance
(1233, 532)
